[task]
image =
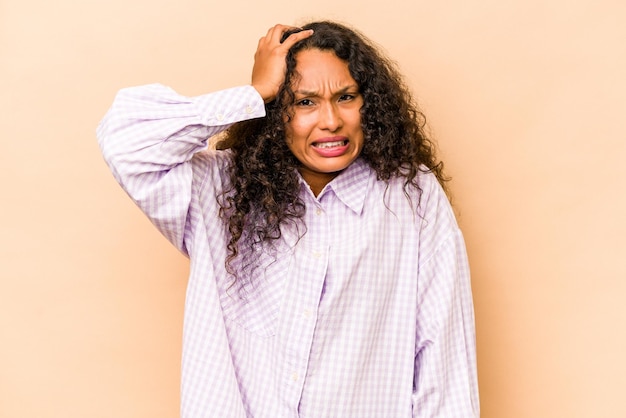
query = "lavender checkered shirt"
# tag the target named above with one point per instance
(369, 314)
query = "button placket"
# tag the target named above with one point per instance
(313, 252)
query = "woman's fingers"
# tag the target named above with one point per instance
(268, 72)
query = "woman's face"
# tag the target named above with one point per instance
(324, 133)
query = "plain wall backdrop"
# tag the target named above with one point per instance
(525, 98)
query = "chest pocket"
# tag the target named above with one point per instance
(254, 304)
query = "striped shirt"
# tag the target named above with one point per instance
(368, 314)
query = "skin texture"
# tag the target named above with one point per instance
(326, 112)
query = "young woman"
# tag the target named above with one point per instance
(328, 275)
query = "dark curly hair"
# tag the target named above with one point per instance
(264, 179)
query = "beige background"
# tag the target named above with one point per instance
(526, 98)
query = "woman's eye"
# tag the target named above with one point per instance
(346, 97)
(304, 102)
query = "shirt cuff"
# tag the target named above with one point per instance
(229, 106)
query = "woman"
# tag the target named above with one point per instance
(328, 274)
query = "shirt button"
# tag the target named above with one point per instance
(219, 116)
(249, 109)
(307, 313)
(317, 254)
(294, 376)
(318, 211)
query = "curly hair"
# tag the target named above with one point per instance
(265, 186)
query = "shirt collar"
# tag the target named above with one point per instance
(351, 185)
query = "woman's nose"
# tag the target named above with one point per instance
(330, 118)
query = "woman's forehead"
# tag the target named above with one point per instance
(315, 67)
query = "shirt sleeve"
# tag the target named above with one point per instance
(149, 136)
(445, 377)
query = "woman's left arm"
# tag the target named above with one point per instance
(445, 375)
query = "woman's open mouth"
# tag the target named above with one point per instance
(330, 144)
(331, 147)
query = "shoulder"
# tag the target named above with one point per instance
(428, 202)
(432, 195)
(437, 221)
(428, 198)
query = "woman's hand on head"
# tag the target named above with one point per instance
(269, 68)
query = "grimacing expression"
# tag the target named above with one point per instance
(324, 132)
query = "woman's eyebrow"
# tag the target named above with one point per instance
(309, 93)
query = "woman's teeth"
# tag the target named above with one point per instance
(329, 144)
